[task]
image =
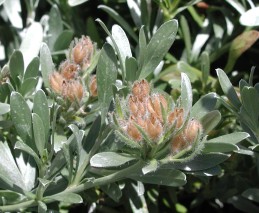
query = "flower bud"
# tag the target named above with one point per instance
(136, 107)
(93, 86)
(133, 132)
(187, 137)
(154, 105)
(141, 89)
(178, 143)
(192, 130)
(82, 52)
(56, 81)
(68, 70)
(74, 91)
(176, 116)
(154, 128)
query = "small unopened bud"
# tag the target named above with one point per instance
(154, 128)
(82, 52)
(154, 105)
(178, 143)
(75, 91)
(141, 89)
(133, 132)
(187, 137)
(93, 86)
(176, 116)
(56, 81)
(192, 130)
(68, 70)
(136, 107)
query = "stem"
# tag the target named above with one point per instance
(18, 206)
(76, 189)
(101, 181)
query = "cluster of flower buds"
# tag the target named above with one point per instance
(67, 81)
(152, 116)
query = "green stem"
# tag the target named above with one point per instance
(101, 181)
(76, 189)
(18, 206)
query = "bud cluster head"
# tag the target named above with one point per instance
(67, 81)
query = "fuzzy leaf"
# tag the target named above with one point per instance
(186, 94)
(158, 46)
(106, 77)
(113, 191)
(210, 121)
(31, 43)
(40, 107)
(21, 117)
(203, 106)
(232, 138)
(110, 159)
(39, 133)
(227, 88)
(16, 64)
(219, 147)
(122, 43)
(4, 108)
(32, 70)
(10, 175)
(46, 63)
(167, 177)
(55, 26)
(200, 162)
(68, 197)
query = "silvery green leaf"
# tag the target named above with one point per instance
(21, 117)
(158, 46)
(46, 63)
(4, 108)
(13, 9)
(39, 133)
(55, 26)
(167, 177)
(73, 3)
(16, 64)
(68, 197)
(113, 191)
(110, 159)
(10, 175)
(204, 105)
(186, 94)
(31, 42)
(122, 43)
(27, 168)
(232, 138)
(41, 108)
(106, 77)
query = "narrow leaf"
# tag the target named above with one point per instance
(106, 77)
(39, 133)
(40, 107)
(46, 63)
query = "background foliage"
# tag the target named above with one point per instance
(214, 44)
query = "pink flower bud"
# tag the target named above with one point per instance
(141, 89)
